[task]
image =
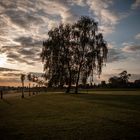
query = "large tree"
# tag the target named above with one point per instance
(73, 52)
(90, 49)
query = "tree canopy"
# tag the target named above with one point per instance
(73, 52)
(121, 80)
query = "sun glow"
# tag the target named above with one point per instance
(2, 60)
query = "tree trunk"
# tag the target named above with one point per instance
(22, 96)
(77, 81)
(29, 90)
(33, 90)
(69, 84)
(1, 94)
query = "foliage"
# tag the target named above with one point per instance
(22, 77)
(121, 80)
(72, 52)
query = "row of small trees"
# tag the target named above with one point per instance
(72, 53)
(31, 78)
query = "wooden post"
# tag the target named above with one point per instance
(1, 94)
(22, 96)
(29, 90)
(33, 90)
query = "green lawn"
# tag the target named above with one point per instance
(96, 115)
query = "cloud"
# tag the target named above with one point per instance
(136, 4)
(119, 70)
(22, 18)
(27, 51)
(29, 42)
(115, 55)
(78, 2)
(7, 69)
(137, 36)
(59, 8)
(11, 74)
(134, 77)
(23, 53)
(24, 26)
(131, 49)
(15, 57)
(107, 18)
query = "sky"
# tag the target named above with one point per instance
(24, 25)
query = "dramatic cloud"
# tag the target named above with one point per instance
(131, 48)
(136, 4)
(22, 54)
(24, 25)
(9, 75)
(119, 70)
(115, 55)
(27, 41)
(7, 69)
(137, 36)
(27, 51)
(106, 17)
(78, 2)
(134, 77)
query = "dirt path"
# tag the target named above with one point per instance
(15, 95)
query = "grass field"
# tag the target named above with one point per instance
(96, 115)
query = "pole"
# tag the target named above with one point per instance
(1, 94)
(22, 96)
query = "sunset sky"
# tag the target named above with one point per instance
(24, 25)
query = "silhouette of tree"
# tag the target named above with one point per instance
(56, 54)
(35, 80)
(90, 49)
(121, 80)
(72, 52)
(114, 81)
(29, 77)
(137, 83)
(103, 84)
(22, 77)
(124, 76)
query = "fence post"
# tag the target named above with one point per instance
(33, 90)
(1, 94)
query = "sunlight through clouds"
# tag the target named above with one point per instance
(25, 23)
(2, 60)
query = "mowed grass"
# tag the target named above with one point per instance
(96, 115)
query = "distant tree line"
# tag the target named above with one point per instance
(120, 81)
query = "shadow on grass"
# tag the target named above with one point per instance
(25, 98)
(6, 101)
(117, 101)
